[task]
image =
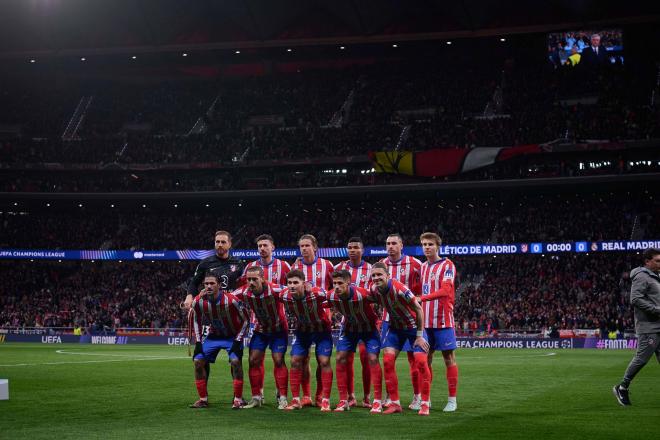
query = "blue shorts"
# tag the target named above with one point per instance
(303, 340)
(441, 339)
(276, 341)
(212, 346)
(396, 339)
(348, 341)
(407, 346)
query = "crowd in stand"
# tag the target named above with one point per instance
(509, 218)
(507, 293)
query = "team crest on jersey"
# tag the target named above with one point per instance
(449, 274)
(318, 274)
(363, 277)
(524, 247)
(402, 270)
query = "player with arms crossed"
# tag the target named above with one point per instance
(313, 326)
(438, 296)
(263, 300)
(318, 273)
(358, 325)
(406, 324)
(360, 272)
(407, 270)
(228, 322)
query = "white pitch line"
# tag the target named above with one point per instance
(113, 355)
(95, 362)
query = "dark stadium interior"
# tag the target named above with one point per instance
(269, 122)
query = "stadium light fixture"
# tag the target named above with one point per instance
(15, 203)
(134, 57)
(83, 59)
(448, 43)
(395, 45)
(289, 50)
(112, 205)
(207, 205)
(48, 204)
(502, 39)
(184, 54)
(144, 206)
(32, 60)
(342, 47)
(80, 205)
(237, 52)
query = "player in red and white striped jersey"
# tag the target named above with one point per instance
(275, 271)
(405, 269)
(360, 272)
(438, 296)
(359, 325)
(406, 325)
(310, 309)
(228, 322)
(271, 330)
(318, 272)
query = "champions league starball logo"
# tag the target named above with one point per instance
(566, 343)
(138, 255)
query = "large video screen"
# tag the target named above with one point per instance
(590, 48)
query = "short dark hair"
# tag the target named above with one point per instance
(257, 269)
(356, 240)
(396, 234)
(310, 237)
(343, 274)
(296, 273)
(650, 253)
(431, 236)
(210, 274)
(380, 265)
(264, 237)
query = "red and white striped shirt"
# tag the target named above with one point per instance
(267, 310)
(397, 301)
(359, 315)
(311, 311)
(360, 274)
(405, 270)
(275, 272)
(226, 316)
(319, 273)
(438, 277)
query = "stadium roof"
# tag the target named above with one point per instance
(71, 27)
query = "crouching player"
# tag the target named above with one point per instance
(406, 324)
(359, 325)
(227, 321)
(313, 326)
(263, 299)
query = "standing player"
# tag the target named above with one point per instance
(407, 270)
(313, 325)
(227, 322)
(359, 325)
(318, 272)
(406, 324)
(274, 271)
(263, 299)
(360, 276)
(438, 298)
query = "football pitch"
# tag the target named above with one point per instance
(143, 391)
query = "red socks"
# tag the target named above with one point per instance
(238, 388)
(296, 379)
(422, 361)
(350, 373)
(201, 388)
(319, 383)
(391, 381)
(255, 380)
(414, 372)
(341, 380)
(452, 379)
(306, 378)
(366, 373)
(376, 378)
(281, 380)
(326, 382)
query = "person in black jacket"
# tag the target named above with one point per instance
(594, 55)
(228, 268)
(645, 298)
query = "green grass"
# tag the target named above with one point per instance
(108, 392)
